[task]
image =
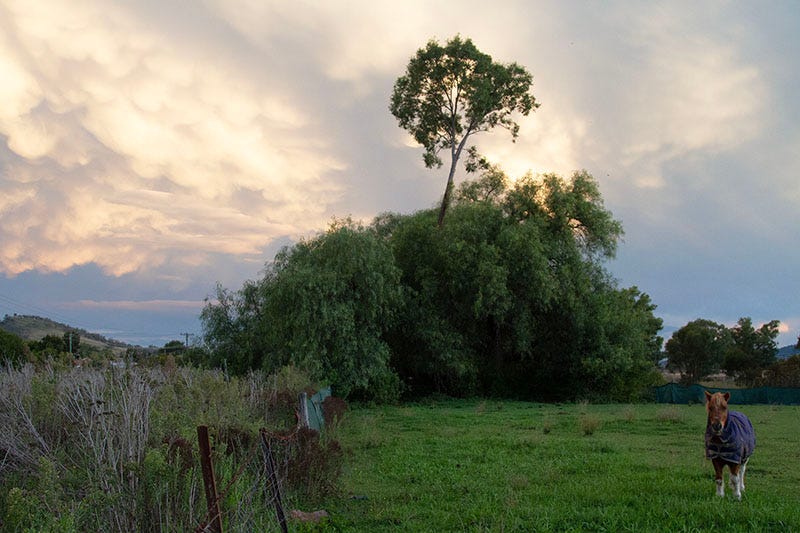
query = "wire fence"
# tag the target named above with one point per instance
(264, 483)
(244, 502)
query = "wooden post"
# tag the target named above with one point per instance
(272, 480)
(212, 501)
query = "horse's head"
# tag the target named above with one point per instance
(717, 408)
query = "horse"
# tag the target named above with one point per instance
(730, 440)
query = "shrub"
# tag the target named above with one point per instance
(314, 465)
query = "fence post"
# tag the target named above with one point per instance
(212, 501)
(272, 475)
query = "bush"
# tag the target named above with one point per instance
(315, 465)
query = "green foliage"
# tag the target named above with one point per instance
(450, 92)
(234, 330)
(27, 512)
(71, 341)
(12, 348)
(698, 349)
(454, 90)
(752, 351)
(509, 298)
(49, 347)
(323, 306)
(703, 347)
(328, 302)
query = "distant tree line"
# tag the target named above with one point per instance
(703, 347)
(59, 349)
(509, 298)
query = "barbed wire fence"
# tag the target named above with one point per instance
(254, 496)
(243, 502)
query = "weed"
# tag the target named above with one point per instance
(589, 424)
(629, 414)
(670, 414)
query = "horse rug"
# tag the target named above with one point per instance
(737, 441)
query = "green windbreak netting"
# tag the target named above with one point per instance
(316, 419)
(674, 393)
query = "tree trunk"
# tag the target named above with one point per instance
(447, 192)
(455, 154)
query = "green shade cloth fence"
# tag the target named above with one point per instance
(674, 393)
(316, 418)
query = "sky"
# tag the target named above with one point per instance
(152, 149)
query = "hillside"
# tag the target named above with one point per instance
(32, 328)
(787, 352)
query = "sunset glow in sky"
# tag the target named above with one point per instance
(150, 149)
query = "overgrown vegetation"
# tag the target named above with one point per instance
(87, 449)
(509, 298)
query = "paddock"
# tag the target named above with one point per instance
(513, 466)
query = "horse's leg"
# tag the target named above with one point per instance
(718, 466)
(742, 471)
(736, 481)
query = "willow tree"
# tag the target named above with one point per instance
(451, 92)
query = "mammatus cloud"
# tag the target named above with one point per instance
(128, 148)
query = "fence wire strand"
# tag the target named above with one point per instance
(248, 500)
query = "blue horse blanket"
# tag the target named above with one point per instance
(737, 441)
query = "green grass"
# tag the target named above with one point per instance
(512, 466)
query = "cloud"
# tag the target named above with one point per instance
(129, 305)
(127, 147)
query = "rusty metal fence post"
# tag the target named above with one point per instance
(212, 500)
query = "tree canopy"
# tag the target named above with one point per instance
(510, 298)
(752, 350)
(698, 349)
(323, 305)
(703, 347)
(451, 92)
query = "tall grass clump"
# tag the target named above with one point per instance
(589, 423)
(670, 413)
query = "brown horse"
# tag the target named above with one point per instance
(730, 440)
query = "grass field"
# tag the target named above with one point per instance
(512, 466)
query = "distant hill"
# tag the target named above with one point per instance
(34, 328)
(787, 351)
